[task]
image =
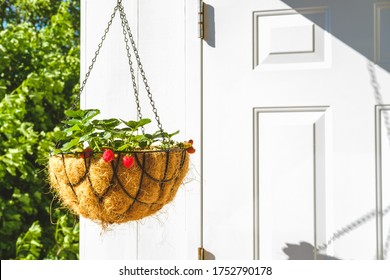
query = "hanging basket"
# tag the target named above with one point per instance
(132, 183)
(110, 193)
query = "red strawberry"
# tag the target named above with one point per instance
(191, 150)
(108, 155)
(87, 153)
(128, 161)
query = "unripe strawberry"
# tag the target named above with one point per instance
(87, 153)
(191, 150)
(108, 155)
(128, 161)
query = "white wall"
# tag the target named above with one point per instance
(160, 30)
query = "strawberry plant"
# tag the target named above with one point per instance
(84, 134)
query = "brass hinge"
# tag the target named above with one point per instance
(200, 253)
(201, 19)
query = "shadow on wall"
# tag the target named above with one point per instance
(209, 28)
(364, 26)
(304, 251)
(208, 255)
(353, 23)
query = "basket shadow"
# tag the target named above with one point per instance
(304, 251)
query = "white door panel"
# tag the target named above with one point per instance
(292, 160)
(286, 39)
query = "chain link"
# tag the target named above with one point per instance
(134, 83)
(140, 66)
(94, 58)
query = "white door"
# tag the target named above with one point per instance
(295, 149)
(295, 141)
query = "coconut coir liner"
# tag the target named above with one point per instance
(109, 193)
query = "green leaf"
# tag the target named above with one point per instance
(28, 245)
(143, 144)
(85, 137)
(158, 135)
(72, 122)
(106, 124)
(120, 132)
(76, 127)
(174, 133)
(143, 122)
(107, 135)
(57, 151)
(131, 124)
(123, 147)
(70, 145)
(76, 114)
(136, 124)
(90, 113)
(95, 144)
(59, 135)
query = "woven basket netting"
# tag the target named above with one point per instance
(109, 193)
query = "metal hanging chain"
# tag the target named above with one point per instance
(94, 58)
(140, 67)
(134, 83)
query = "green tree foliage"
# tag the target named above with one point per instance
(39, 72)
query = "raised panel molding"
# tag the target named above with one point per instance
(287, 39)
(282, 38)
(381, 32)
(382, 159)
(295, 142)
